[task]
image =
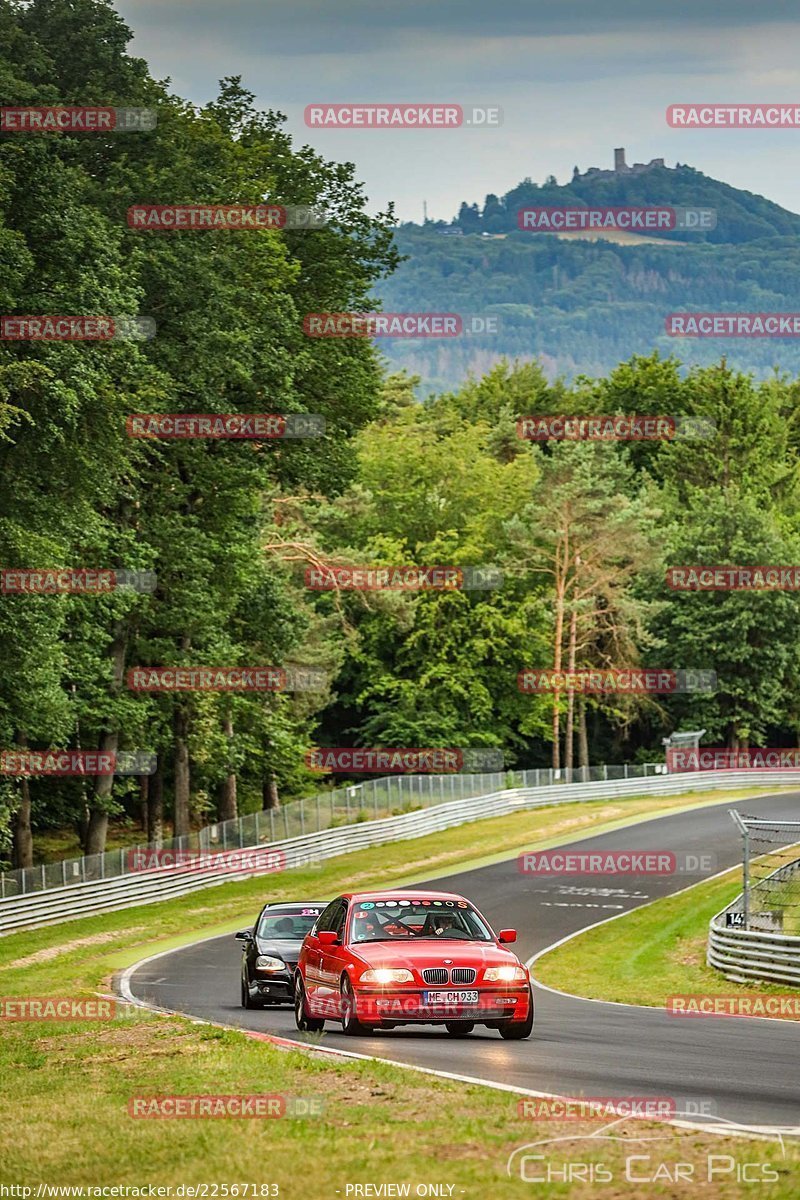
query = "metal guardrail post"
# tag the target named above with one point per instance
(745, 864)
(746, 873)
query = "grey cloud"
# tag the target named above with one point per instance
(320, 27)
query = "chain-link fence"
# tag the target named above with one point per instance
(770, 900)
(366, 801)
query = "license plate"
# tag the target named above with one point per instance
(453, 997)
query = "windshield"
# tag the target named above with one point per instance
(292, 924)
(390, 920)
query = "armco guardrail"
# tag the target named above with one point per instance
(370, 799)
(354, 803)
(743, 954)
(148, 887)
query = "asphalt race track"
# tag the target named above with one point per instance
(748, 1068)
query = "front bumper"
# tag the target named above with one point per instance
(374, 1005)
(276, 988)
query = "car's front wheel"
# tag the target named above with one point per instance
(350, 1022)
(247, 999)
(514, 1031)
(302, 1020)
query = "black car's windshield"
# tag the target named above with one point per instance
(394, 920)
(292, 924)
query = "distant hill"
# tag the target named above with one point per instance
(741, 216)
(581, 305)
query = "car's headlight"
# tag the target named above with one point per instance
(387, 975)
(265, 962)
(504, 974)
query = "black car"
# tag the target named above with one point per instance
(270, 951)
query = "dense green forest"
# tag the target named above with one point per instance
(582, 532)
(580, 306)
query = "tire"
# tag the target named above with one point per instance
(459, 1028)
(515, 1031)
(350, 1023)
(246, 999)
(302, 1020)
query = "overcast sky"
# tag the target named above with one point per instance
(574, 78)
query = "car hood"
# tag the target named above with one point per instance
(422, 952)
(286, 948)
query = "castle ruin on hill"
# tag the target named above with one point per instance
(622, 168)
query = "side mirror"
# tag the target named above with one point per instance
(244, 935)
(507, 935)
(328, 938)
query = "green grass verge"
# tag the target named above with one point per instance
(651, 953)
(67, 1085)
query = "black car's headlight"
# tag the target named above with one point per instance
(265, 962)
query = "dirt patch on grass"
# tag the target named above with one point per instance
(690, 952)
(121, 1044)
(602, 814)
(51, 952)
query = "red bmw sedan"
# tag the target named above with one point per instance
(375, 960)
